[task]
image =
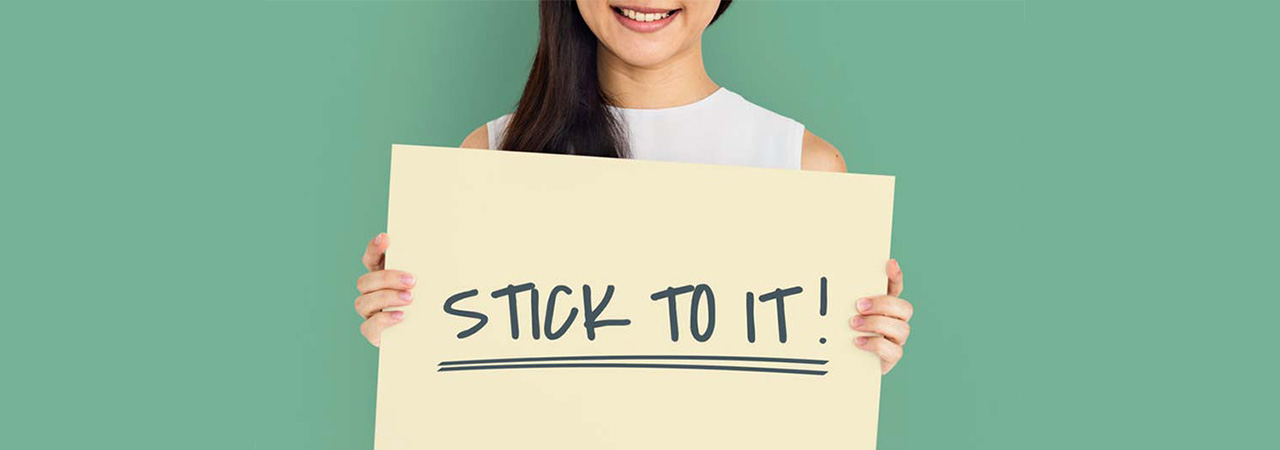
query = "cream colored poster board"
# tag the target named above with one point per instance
(712, 250)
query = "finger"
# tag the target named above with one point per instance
(888, 352)
(894, 329)
(385, 279)
(895, 277)
(374, 252)
(373, 302)
(373, 327)
(885, 305)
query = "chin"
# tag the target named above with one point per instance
(643, 54)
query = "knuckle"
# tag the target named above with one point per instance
(883, 302)
(879, 324)
(886, 353)
(890, 349)
(875, 343)
(384, 298)
(362, 283)
(881, 341)
(881, 347)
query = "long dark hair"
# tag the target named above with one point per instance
(563, 108)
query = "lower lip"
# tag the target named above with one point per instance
(646, 27)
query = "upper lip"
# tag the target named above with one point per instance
(644, 10)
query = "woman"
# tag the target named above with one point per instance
(625, 79)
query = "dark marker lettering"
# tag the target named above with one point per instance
(822, 307)
(698, 292)
(670, 294)
(534, 315)
(551, 313)
(591, 314)
(780, 295)
(481, 319)
(510, 293)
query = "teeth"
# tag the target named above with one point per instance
(644, 17)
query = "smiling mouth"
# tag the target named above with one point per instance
(644, 15)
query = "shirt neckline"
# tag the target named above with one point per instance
(718, 92)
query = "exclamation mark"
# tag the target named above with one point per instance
(822, 304)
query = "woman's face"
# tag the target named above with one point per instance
(646, 33)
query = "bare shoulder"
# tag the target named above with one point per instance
(818, 154)
(477, 139)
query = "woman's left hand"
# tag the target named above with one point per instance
(886, 316)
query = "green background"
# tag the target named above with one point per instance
(1085, 207)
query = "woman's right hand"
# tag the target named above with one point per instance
(380, 289)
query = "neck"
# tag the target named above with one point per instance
(679, 81)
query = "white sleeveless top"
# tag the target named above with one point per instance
(722, 128)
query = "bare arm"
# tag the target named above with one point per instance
(477, 139)
(818, 154)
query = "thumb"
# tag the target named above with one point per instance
(373, 253)
(895, 277)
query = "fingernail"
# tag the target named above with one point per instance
(858, 321)
(864, 304)
(862, 340)
(407, 279)
(397, 315)
(406, 295)
(378, 240)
